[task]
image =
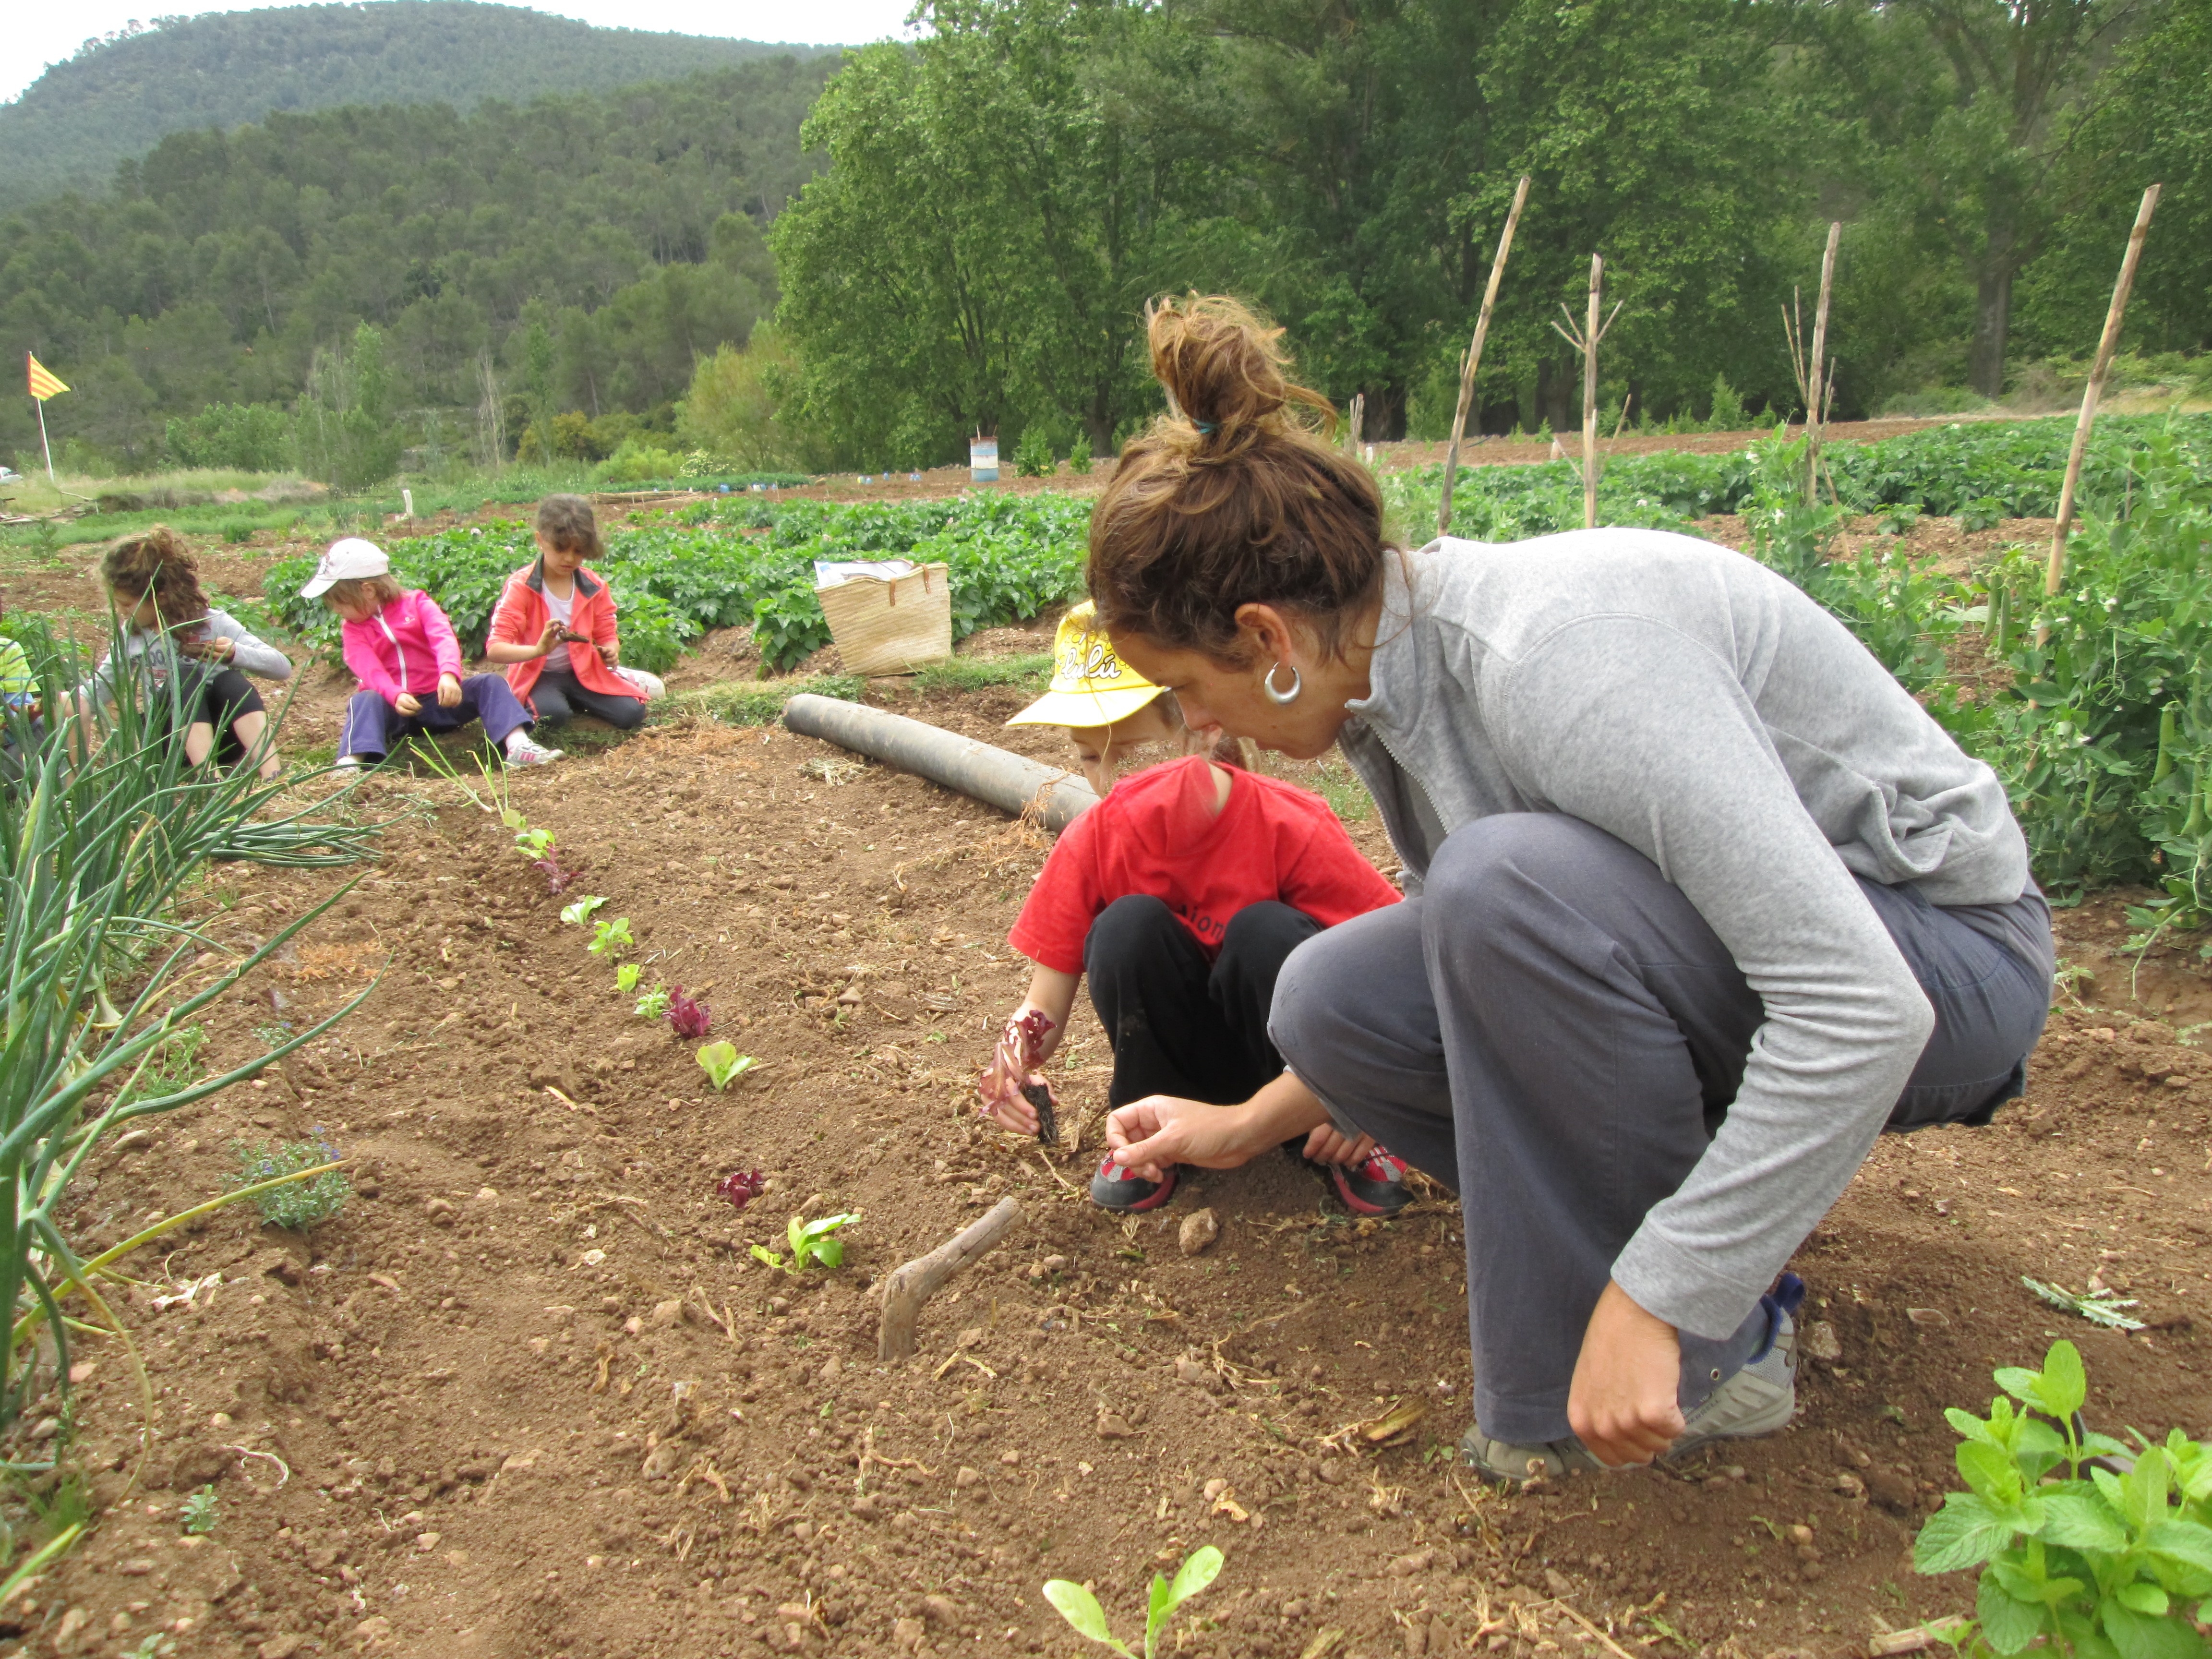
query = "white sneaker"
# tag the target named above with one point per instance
(524, 752)
(649, 686)
(348, 762)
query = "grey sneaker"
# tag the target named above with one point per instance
(1761, 1398)
(1495, 1460)
(525, 752)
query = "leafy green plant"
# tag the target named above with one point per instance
(1080, 1607)
(1033, 455)
(610, 936)
(653, 1005)
(200, 1514)
(2092, 1546)
(535, 843)
(297, 1205)
(1078, 453)
(723, 1062)
(811, 1240)
(580, 912)
(626, 978)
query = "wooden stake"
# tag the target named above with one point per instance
(1816, 373)
(1585, 341)
(909, 1286)
(2054, 574)
(1474, 359)
(1358, 420)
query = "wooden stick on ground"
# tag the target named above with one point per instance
(2054, 574)
(1585, 340)
(1473, 362)
(909, 1288)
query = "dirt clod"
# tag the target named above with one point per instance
(1200, 1229)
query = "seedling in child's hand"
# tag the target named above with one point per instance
(723, 1062)
(578, 913)
(1080, 1607)
(626, 978)
(653, 1005)
(811, 1240)
(688, 1018)
(610, 936)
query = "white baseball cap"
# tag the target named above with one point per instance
(349, 559)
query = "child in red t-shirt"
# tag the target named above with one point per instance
(1179, 896)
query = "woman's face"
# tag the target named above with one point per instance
(561, 563)
(1218, 698)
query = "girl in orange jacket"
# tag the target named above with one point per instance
(555, 627)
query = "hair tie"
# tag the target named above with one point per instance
(1204, 427)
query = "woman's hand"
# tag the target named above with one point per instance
(1330, 1144)
(553, 634)
(449, 691)
(1151, 1136)
(1622, 1404)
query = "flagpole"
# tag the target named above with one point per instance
(43, 444)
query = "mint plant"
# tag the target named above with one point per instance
(2075, 1556)
(1080, 1607)
(610, 936)
(653, 1005)
(200, 1513)
(811, 1240)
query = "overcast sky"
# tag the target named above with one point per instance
(38, 35)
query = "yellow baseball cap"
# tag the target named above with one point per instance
(1091, 686)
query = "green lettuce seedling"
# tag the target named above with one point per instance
(626, 978)
(610, 936)
(1080, 1607)
(2098, 1562)
(535, 843)
(581, 912)
(722, 1061)
(811, 1240)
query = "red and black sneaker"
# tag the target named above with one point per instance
(1376, 1186)
(1125, 1192)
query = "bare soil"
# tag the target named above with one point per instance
(530, 1394)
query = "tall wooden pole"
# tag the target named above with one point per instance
(2054, 574)
(1589, 396)
(1817, 370)
(1474, 355)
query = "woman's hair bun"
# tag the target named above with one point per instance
(1226, 371)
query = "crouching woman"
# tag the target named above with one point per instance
(1699, 901)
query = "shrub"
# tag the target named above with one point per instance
(1033, 455)
(637, 462)
(1078, 453)
(243, 437)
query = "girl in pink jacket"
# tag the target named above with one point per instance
(402, 649)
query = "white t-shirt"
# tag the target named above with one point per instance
(564, 612)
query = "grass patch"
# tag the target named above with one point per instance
(1344, 791)
(754, 703)
(978, 673)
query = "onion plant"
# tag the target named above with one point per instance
(104, 826)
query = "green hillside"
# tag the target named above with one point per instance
(119, 98)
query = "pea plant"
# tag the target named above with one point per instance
(2087, 1545)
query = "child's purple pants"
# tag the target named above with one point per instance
(373, 726)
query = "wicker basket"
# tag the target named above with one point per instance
(890, 627)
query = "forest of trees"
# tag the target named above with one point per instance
(964, 232)
(620, 234)
(999, 202)
(119, 96)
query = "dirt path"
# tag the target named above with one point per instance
(535, 1398)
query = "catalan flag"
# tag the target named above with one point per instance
(44, 381)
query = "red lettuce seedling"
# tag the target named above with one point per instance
(741, 1186)
(687, 1017)
(557, 880)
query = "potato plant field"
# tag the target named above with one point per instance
(642, 1073)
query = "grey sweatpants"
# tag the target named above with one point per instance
(1554, 1032)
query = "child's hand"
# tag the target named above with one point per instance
(609, 654)
(449, 691)
(1030, 1037)
(408, 704)
(553, 634)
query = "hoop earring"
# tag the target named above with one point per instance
(1281, 699)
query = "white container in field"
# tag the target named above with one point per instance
(983, 460)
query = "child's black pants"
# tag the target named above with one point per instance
(1179, 1024)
